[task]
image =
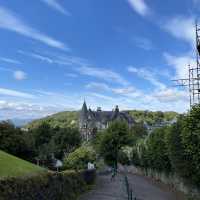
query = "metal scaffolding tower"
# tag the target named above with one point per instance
(193, 80)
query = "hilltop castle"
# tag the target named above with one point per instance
(92, 121)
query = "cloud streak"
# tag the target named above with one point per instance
(180, 64)
(139, 6)
(10, 21)
(101, 73)
(9, 60)
(147, 75)
(181, 27)
(14, 93)
(56, 6)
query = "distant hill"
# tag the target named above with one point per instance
(70, 118)
(61, 119)
(20, 122)
(11, 166)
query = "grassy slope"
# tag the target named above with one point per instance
(11, 166)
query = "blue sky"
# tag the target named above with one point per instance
(56, 53)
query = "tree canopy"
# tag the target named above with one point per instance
(113, 139)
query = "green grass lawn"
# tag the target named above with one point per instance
(11, 166)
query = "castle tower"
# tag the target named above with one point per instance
(83, 121)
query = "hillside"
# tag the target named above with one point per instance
(61, 119)
(11, 166)
(70, 118)
(151, 117)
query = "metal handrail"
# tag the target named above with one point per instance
(129, 189)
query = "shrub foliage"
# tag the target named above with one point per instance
(49, 186)
(173, 149)
(80, 158)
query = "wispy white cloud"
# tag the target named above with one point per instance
(10, 21)
(98, 86)
(9, 60)
(147, 75)
(15, 93)
(56, 59)
(102, 96)
(19, 75)
(182, 28)
(101, 73)
(127, 91)
(37, 56)
(171, 95)
(180, 64)
(139, 6)
(55, 5)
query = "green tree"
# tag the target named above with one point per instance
(191, 145)
(42, 134)
(13, 140)
(139, 131)
(175, 147)
(66, 140)
(157, 150)
(113, 139)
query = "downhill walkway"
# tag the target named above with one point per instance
(105, 189)
(143, 189)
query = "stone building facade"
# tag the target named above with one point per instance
(92, 121)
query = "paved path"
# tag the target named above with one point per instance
(106, 189)
(143, 189)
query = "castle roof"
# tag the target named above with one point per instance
(84, 111)
(105, 116)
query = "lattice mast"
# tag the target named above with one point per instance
(193, 80)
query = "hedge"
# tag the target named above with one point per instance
(49, 186)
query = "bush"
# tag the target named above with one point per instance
(152, 152)
(157, 150)
(174, 149)
(190, 138)
(49, 186)
(80, 158)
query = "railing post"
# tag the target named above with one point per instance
(129, 190)
(131, 195)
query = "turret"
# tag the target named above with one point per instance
(84, 112)
(116, 108)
